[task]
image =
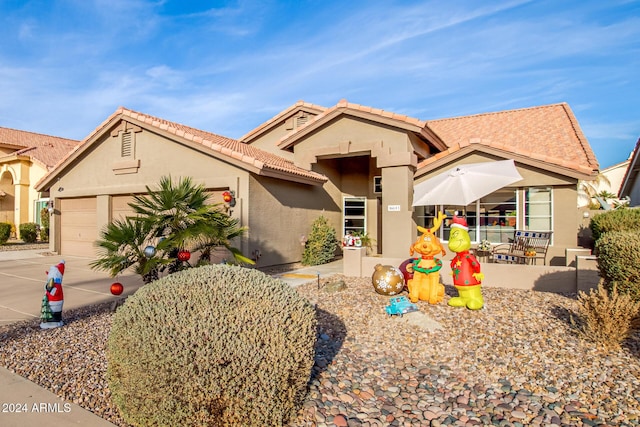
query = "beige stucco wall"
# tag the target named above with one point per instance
(280, 217)
(352, 136)
(92, 174)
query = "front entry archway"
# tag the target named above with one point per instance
(7, 198)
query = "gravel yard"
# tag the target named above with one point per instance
(514, 363)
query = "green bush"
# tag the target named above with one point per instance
(615, 220)
(44, 229)
(619, 261)
(5, 232)
(28, 232)
(322, 243)
(217, 345)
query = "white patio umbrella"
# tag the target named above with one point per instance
(463, 184)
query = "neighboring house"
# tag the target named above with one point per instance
(630, 186)
(26, 157)
(608, 181)
(355, 165)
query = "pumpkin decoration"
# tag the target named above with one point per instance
(117, 288)
(184, 255)
(530, 252)
(387, 280)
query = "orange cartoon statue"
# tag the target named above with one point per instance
(425, 284)
(465, 268)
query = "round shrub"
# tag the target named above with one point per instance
(615, 220)
(28, 232)
(217, 345)
(619, 261)
(5, 232)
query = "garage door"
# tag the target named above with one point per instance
(78, 226)
(120, 208)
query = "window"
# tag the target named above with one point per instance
(354, 212)
(493, 218)
(377, 184)
(538, 209)
(498, 216)
(39, 205)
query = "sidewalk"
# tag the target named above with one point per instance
(310, 274)
(26, 404)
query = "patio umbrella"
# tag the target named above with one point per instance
(463, 184)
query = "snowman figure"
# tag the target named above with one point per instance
(53, 299)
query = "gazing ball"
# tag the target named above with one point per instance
(387, 280)
(117, 288)
(149, 251)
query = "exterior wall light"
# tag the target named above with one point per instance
(229, 198)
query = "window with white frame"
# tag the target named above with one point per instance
(354, 211)
(538, 207)
(38, 206)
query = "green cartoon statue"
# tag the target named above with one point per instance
(465, 268)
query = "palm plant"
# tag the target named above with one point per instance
(177, 217)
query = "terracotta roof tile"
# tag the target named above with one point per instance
(549, 133)
(44, 149)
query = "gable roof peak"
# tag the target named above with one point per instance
(243, 155)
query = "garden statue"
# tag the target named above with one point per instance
(387, 280)
(465, 268)
(53, 299)
(425, 284)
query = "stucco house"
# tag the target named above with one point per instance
(630, 186)
(355, 165)
(26, 157)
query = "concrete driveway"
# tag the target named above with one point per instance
(23, 275)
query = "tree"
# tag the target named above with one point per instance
(590, 189)
(172, 218)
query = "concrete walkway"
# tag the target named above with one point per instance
(22, 279)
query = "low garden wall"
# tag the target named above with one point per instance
(581, 275)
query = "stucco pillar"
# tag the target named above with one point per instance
(21, 203)
(103, 212)
(398, 226)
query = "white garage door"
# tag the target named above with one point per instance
(78, 226)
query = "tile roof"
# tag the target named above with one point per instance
(243, 154)
(44, 149)
(548, 133)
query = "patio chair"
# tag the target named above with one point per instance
(527, 247)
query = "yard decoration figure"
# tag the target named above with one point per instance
(53, 299)
(399, 306)
(425, 284)
(387, 280)
(465, 268)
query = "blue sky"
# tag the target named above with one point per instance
(226, 67)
